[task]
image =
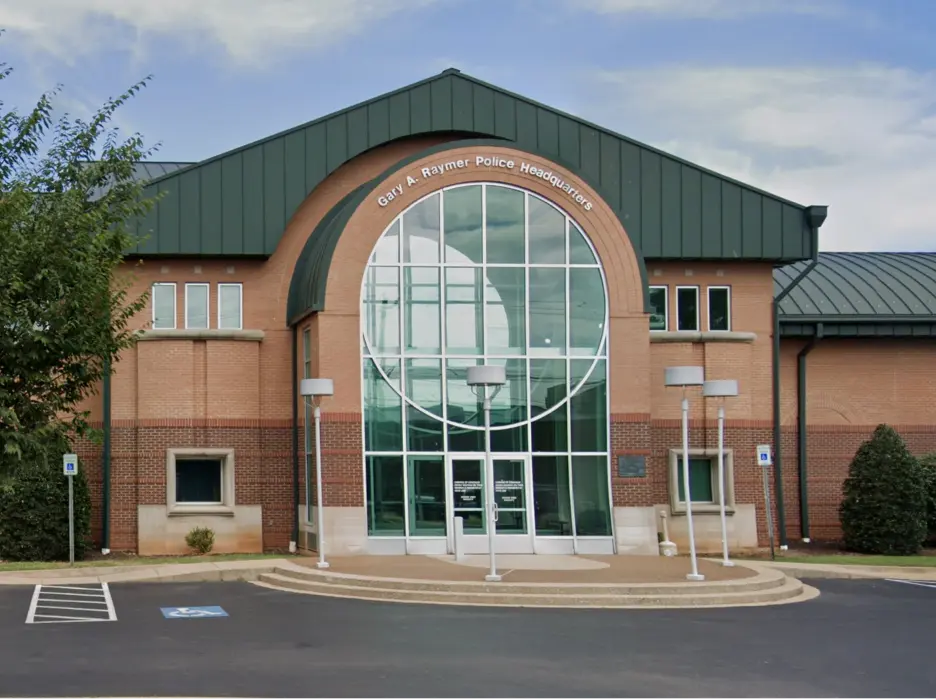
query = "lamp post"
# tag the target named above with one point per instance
(486, 381)
(721, 389)
(312, 390)
(685, 377)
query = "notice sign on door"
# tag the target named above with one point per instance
(466, 494)
(508, 493)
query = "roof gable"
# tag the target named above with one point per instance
(238, 203)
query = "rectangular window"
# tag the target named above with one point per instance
(230, 303)
(659, 315)
(309, 456)
(719, 308)
(164, 305)
(702, 473)
(687, 308)
(196, 305)
(703, 481)
(199, 481)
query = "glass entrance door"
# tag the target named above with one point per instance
(467, 486)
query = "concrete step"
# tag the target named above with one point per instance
(765, 578)
(789, 590)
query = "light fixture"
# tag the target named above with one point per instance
(312, 391)
(485, 381)
(685, 377)
(721, 389)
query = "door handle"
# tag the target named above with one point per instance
(494, 511)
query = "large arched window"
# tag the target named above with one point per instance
(472, 274)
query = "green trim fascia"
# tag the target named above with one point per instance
(310, 276)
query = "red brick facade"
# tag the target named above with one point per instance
(235, 391)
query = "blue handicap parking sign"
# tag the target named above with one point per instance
(192, 612)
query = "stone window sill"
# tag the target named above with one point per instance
(199, 334)
(179, 510)
(703, 509)
(702, 337)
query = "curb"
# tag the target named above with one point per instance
(167, 573)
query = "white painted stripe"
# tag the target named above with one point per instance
(67, 607)
(75, 595)
(922, 584)
(90, 588)
(31, 613)
(112, 612)
(44, 599)
(66, 617)
(60, 618)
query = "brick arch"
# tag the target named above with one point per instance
(623, 264)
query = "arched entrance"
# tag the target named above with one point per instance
(486, 273)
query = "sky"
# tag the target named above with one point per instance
(819, 101)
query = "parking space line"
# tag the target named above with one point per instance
(96, 603)
(921, 584)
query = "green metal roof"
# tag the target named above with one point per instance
(149, 170)
(861, 294)
(238, 203)
(310, 275)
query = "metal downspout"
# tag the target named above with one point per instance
(294, 541)
(106, 461)
(815, 216)
(801, 436)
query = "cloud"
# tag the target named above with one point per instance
(710, 9)
(862, 139)
(248, 31)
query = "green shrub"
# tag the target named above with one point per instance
(200, 539)
(34, 514)
(928, 463)
(883, 510)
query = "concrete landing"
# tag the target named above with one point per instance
(541, 581)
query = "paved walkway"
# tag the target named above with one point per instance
(515, 568)
(520, 568)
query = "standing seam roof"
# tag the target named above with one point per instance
(873, 286)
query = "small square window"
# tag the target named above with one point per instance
(687, 308)
(200, 481)
(230, 306)
(719, 308)
(659, 316)
(703, 481)
(164, 305)
(196, 306)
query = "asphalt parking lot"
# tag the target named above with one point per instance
(858, 639)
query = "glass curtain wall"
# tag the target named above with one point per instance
(485, 274)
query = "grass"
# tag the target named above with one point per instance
(861, 559)
(133, 561)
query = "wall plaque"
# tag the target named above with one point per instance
(632, 466)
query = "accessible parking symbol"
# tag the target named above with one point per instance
(199, 611)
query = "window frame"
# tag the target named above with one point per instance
(708, 307)
(240, 301)
(175, 305)
(227, 504)
(666, 310)
(677, 506)
(207, 286)
(698, 320)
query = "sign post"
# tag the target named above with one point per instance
(765, 461)
(71, 468)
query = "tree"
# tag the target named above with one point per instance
(928, 463)
(68, 200)
(884, 507)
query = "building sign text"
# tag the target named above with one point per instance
(484, 162)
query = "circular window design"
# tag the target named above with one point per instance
(481, 274)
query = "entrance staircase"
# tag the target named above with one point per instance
(766, 587)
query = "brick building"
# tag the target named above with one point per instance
(394, 244)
